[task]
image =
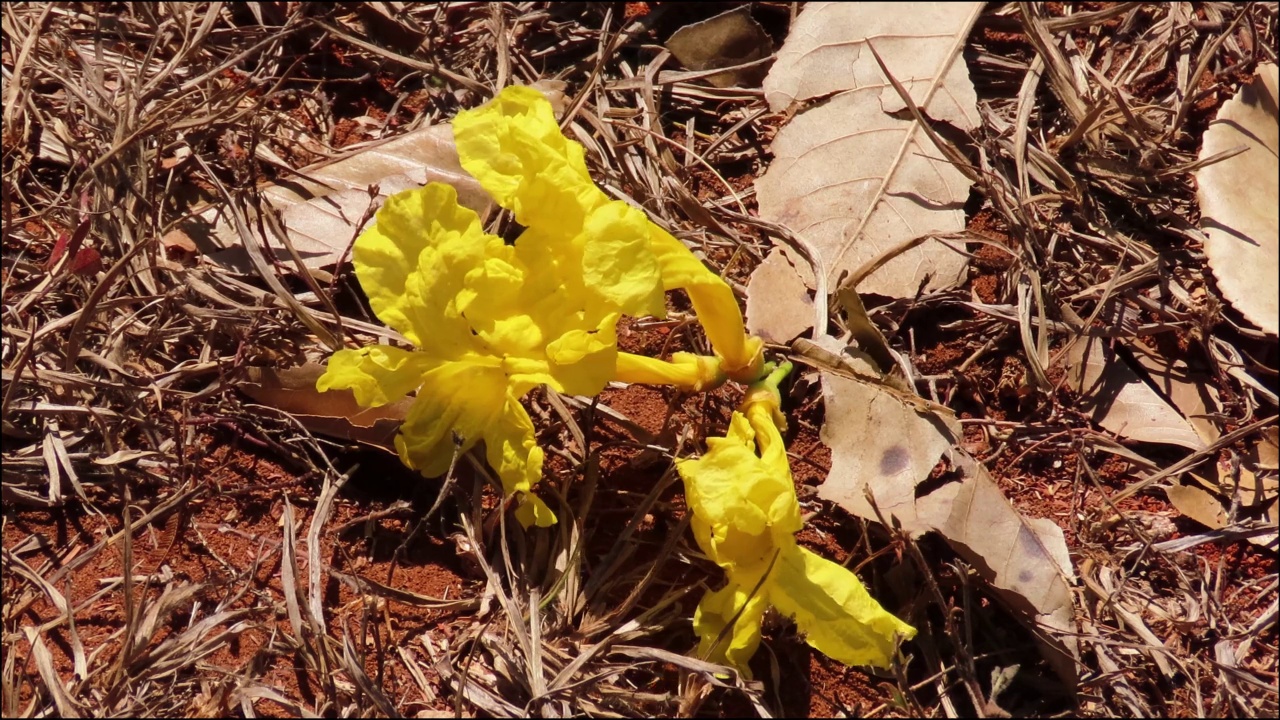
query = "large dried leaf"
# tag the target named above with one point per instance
(882, 449)
(856, 176)
(324, 211)
(1118, 400)
(1238, 200)
(1025, 559)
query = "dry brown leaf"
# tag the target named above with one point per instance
(1238, 200)
(878, 443)
(1120, 402)
(1267, 451)
(1025, 559)
(730, 38)
(334, 413)
(855, 177)
(325, 210)
(1193, 394)
(776, 298)
(1253, 485)
(1272, 517)
(881, 450)
(1198, 505)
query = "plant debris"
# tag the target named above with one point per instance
(184, 536)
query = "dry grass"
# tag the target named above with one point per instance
(122, 354)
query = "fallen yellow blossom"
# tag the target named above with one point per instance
(745, 517)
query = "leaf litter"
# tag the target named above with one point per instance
(1083, 143)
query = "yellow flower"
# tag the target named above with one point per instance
(490, 321)
(514, 148)
(745, 516)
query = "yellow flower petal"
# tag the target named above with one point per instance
(510, 447)
(731, 486)
(834, 611)
(583, 361)
(377, 374)
(745, 516)
(532, 511)
(512, 450)
(728, 624)
(412, 263)
(514, 148)
(714, 304)
(462, 403)
(457, 403)
(617, 261)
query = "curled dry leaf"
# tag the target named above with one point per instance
(856, 176)
(1192, 393)
(1238, 200)
(1251, 485)
(728, 39)
(334, 413)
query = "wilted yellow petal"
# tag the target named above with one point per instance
(728, 625)
(721, 486)
(514, 148)
(745, 516)
(762, 407)
(377, 374)
(742, 509)
(834, 611)
(730, 485)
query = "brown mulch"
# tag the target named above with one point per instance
(172, 547)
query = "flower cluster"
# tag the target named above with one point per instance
(490, 321)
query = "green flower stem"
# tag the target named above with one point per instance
(775, 375)
(764, 392)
